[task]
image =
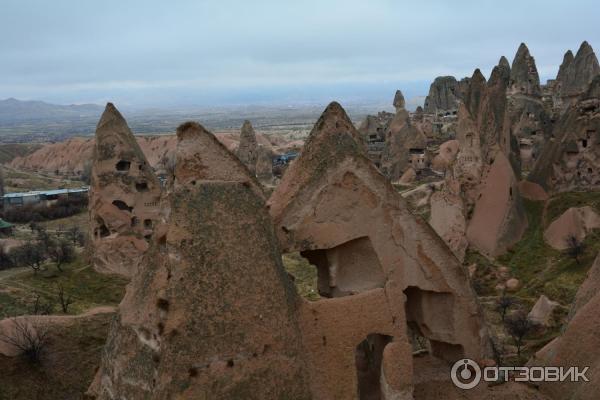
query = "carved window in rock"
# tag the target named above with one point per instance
(121, 205)
(431, 315)
(123, 166)
(101, 230)
(350, 268)
(141, 186)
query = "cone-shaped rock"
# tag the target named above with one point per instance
(124, 197)
(196, 164)
(563, 70)
(503, 63)
(399, 102)
(404, 147)
(444, 94)
(247, 151)
(212, 315)
(575, 74)
(382, 265)
(499, 218)
(527, 125)
(524, 78)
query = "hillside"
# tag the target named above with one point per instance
(12, 110)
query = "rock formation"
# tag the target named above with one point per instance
(444, 95)
(499, 218)
(480, 170)
(264, 165)
(208, 316)
(542, 310)
(524, 78)
(527, 121)
(379, 267)
(405, 145)
(124, 197)
(576, 222)
(399, 102)
(373, 129)
(576, 74)
(577, 346)
(247, 151)
(532, 191)
(571, 160)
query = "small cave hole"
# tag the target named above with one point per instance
(163, 304)
(121, 205)
(141, 186)
(123, 166)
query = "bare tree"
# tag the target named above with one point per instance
(503, 303)
(518, 326)
(75, 235)
(41, 308)
(28, 339)
(60, 251)
(64, 299)
(575, 247)
(30, 254)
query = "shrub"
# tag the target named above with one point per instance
(29, 340)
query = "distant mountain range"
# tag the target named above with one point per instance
(13, 110)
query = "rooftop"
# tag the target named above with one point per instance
(47, 192)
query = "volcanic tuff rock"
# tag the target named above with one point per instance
(399, 102)
(381, 266)
(542, 310)
(124, 197)
(208, 316)
(499, 218)
(571, 160)
(247, 150)
(478, 171)
(576, 73)
(577, 222)
(577, 346)
(524, 78)
(527, 125)
(404, 146)
(444, 94)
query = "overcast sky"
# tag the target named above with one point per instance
(217, 52)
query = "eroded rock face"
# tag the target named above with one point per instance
(381, 268)
(499, 218)
(527, 121)
(124, 197)
(399, 102)
(444, 95)
(571, 160)
(405, 147)
(575, 222)
(485, 164)
(542, 310)
(576, 73)
(578, 346)
(209, 316)
(247, 150)
(524, 78)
